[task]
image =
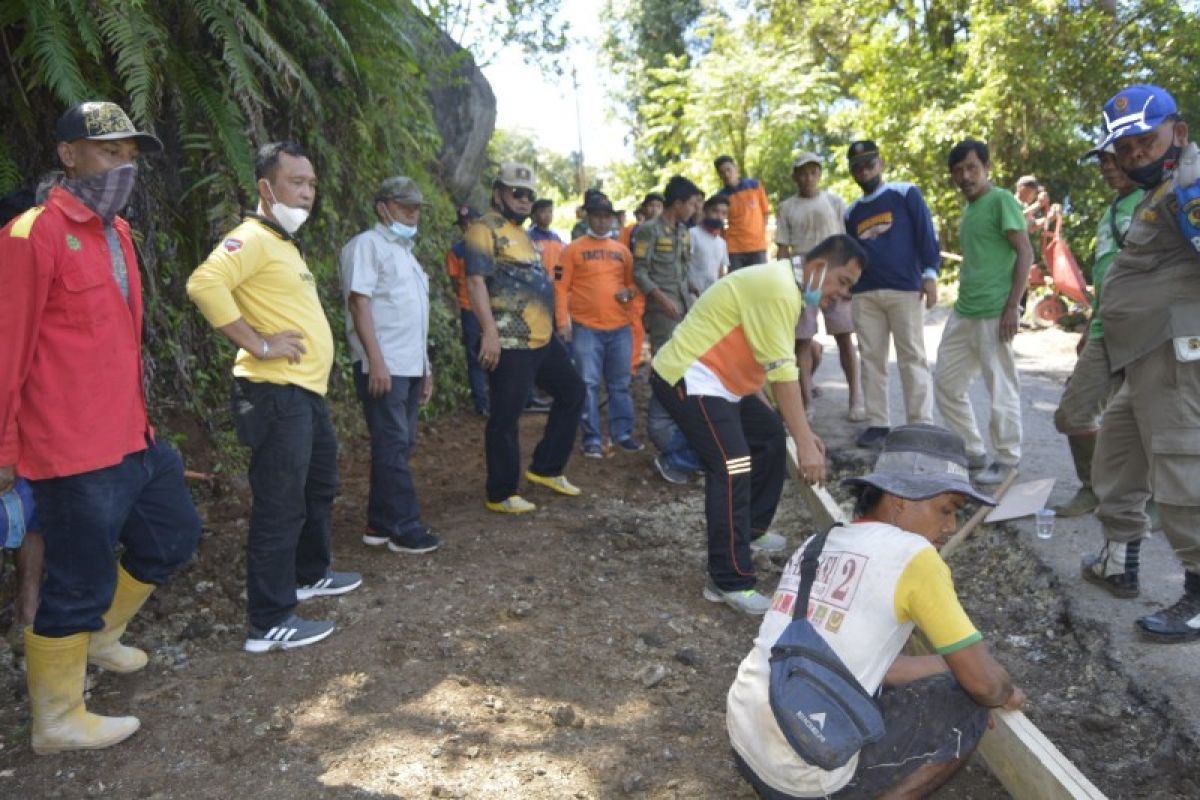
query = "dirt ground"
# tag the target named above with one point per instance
(563, 654)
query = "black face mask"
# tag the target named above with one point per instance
(714, 224)
(510, 215)
(870, 186)
(1150, 175)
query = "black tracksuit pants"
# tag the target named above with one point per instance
(744, 450)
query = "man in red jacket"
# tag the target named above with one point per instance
(73, 423)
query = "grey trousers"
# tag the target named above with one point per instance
(1088, 391)
(1150, 444)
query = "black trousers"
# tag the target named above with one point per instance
(293, 480)
(743, 447)
(551, 370)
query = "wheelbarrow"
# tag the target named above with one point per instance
(1065, 279)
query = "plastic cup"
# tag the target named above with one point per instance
(1044, 523)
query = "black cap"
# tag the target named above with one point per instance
(598, 204)
(101, 121)
(861, 150)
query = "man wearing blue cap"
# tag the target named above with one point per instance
(1150, 440)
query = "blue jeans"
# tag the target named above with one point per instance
(392, 508)
(477, 376)
(669, 440)
(293, 480)
(141, 503)
(604, 355)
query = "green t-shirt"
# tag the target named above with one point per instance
(985, 277)
(1118, 216)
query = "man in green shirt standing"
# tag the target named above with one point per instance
(977, 339)
(1092, 383)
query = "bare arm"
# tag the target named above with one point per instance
(481, 304)
(809, 447)
(982, 677)
(1010, 319)
(379, 381)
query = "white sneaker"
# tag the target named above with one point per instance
(769, 543)
(747, 601)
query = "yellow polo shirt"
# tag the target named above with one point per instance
(257, 274)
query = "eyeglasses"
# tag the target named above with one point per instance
(524, 194)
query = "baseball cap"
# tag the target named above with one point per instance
(516, 176)
(599, 204)
(1136, 110)
(922, 461)
(101, 121)
(861, 150)
(806, 157)
(400, 189)
(1096, 151)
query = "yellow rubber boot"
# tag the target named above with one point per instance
(105, 649)
(55, 672)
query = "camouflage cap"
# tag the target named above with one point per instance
(101, 121)
(516, 176)
(400, 189)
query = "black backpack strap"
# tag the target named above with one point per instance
(808, 569)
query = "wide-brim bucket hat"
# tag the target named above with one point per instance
(919, 462)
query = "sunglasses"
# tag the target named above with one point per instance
(524, 194)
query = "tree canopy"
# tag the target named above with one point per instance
(764, 79)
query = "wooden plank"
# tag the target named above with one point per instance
(1028, 764)
(821, 505)
(963, 532)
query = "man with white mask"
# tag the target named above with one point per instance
(256, 288)
(387, 299)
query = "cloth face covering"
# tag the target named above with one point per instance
(106, 194)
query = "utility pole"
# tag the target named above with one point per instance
(580, 172)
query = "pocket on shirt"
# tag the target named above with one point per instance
(87, 304)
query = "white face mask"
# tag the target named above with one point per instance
(290, 218)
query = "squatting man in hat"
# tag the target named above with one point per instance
(73, 423)
(878, 578)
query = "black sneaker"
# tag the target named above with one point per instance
(1178, 623)
(293, 632)
(421, 540)
(872, 437)
(1115, 568)
(630, 445)
(333, 583)
(539, 405)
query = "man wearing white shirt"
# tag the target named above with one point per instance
(710, 255)
(387, 294)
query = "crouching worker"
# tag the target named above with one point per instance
(878, 578)
(73, 423)
(709, 377)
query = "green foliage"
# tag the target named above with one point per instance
(214, 79)
(779, 76)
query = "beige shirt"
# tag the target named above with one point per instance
(804, 222)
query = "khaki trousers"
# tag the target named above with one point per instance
(971, 348)
(1089, 389)
(1150, 444)
(882, 316)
